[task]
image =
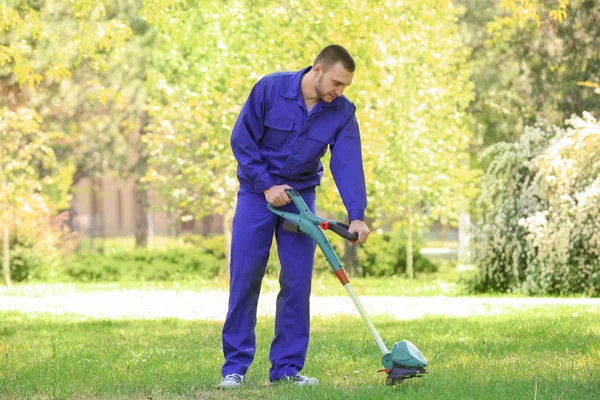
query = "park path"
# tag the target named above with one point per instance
(212, 305)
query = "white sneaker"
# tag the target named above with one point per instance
(301, 380)
(232, 381)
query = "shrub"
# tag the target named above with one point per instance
(144, 264)
(30, 259)
(35, 250)
(198, 256)
(384, 254)
(539, 213)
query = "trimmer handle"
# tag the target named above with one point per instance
(341, 229)
(309, 224)
(292, 193)
(337, 227)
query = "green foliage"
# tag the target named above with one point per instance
(188, 257)
(97, 69)
(33, 186)
(32, 180)
(385, 255)
(411, 89)
(529, 64)
(416, 135)
(211, 244)
(143, 265)
(525, 12)
(33, 52)
(31, 259)
(540, 213)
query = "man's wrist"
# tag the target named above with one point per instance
(356, 214)
(265, 183)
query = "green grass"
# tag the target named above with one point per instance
(543, 353)
(440, 244)
(445, 282)
(442, 283)
(324, 284)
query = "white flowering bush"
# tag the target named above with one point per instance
(538, 227)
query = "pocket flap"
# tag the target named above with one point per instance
(323, 131)
(279, 122)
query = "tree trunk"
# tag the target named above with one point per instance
(141, 218)
(5, 247)
(97, 223)
(142, 199)
(444, 231)
(410, 271)
(5, 258)
(350, 259)
(227, 232)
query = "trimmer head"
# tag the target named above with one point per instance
(404, 361)
(399, 373)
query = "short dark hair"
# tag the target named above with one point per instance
(333, 54)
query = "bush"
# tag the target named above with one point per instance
(198, 256)
(145, 265)
(35, 250)
(540, 213)
(385, 255)
(30, 259)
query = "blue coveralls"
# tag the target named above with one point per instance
(276, 141)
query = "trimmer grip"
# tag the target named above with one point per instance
(292, 193)
(342, 230)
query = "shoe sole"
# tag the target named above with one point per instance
(286, 382)
(229, 386)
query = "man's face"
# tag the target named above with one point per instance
(331, 84)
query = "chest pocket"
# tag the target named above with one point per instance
(278, 131)
(320, 135)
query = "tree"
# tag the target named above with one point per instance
(33, 184)
(89, 37)
(411, 93)
(100, 97)
(541, 56)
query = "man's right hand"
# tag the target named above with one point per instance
(276, 195)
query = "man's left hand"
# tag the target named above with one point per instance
(361, 228)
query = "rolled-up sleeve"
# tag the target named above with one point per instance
(248, 130)
(347, 169)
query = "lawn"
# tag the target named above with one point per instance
(542, 353)
(324, 284)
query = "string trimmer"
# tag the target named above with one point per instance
(404, 360)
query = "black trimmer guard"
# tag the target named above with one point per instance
(400, 373)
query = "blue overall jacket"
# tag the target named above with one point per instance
(276, 141)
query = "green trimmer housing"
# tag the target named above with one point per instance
(404, 360)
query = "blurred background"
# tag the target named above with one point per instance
(478, 120)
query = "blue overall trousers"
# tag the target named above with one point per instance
(253, 229)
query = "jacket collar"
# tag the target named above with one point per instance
(292, 90)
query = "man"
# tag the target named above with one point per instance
(278, 140)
